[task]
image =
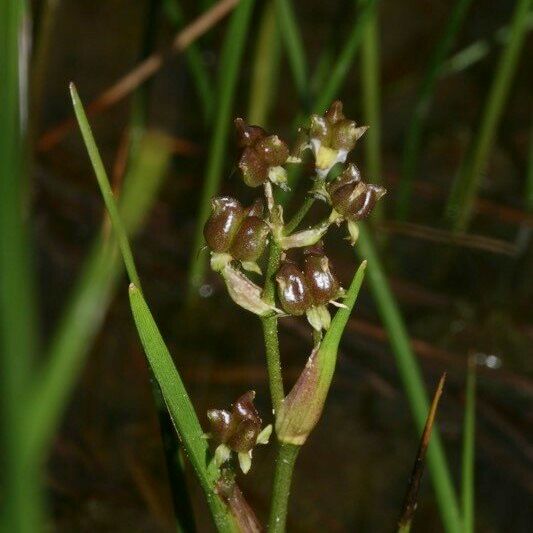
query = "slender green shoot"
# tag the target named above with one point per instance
(411, 496)
(292, 38)
(464, 191)
(371, 101)
(105, 187)
(285, 461)
(227, 81)
(343, 64)
(180, 407)
(195, 61)
(169, 383)
(21, 504)
(86, 308)
(413, 140)
(469, 431)
(265, 67)
(529, 175)
(411, 377)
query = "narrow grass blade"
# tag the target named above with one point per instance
(265, 66)
(411, 377)
(179, 406)
(227, 82)
(371, 101)
(21, 500)
(341, 67)
(86, 308)
(169, 388)
(290, 34)
(193, 55)
(411, 496)
(103, 182)
(469, 431)
(413, 140)
(464, 191)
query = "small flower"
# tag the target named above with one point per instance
(332, 137)
(351, 197)
(238, 431)
(263, 155)
(309, 290)
(232, 232)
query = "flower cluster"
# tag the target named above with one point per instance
(309, 290)
(237, 238)
(238, 430)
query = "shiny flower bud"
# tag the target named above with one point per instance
(223, 224)
(332, 136)
(238, 431)
(263, 155)
(293, 293)
(353, 198)
(250, 240)
(322, 283)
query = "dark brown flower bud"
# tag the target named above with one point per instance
(320, 280)
(351, 197)
(250, 240)
(293, 293)
(248, 135)
(332, 136)
(261, 156)
(239, 428)
(222, 225)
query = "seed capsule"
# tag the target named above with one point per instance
(250, 240)
(223, 224)
(332, 136)
(261, 154)
(322, 283)
(351, 197)
(293, 292)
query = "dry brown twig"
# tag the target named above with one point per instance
(141, 72)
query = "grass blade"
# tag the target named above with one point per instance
(87, 306)
(103, 183)
(169, 388)
(459, 209)
(413, 139)
(227, 81)
(193, 55)
(179, 406)
(469, 430)
(266, 66)
(20, 502)
(371, 101)
(411, 496)
(411, 378)
(290, 34)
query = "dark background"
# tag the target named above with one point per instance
(106, 472)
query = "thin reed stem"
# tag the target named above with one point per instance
(227, 82)
(469, 431)
(459, 209)
(413, 140)
(286, 459)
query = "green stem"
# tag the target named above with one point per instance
(270, 331)
(195, 61)
(371, 101)
(265, 67)
(413, 139)
(469, 429)
(287, 455)
(460, 205)
(412, 379)
(227, 83)
(295, 50)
